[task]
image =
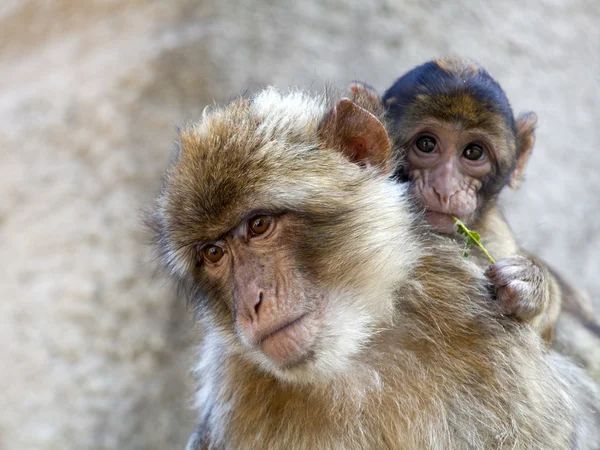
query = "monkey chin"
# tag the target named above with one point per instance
(320, 346)
(291, 344)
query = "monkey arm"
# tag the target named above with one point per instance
(539, 295)
(551, 299)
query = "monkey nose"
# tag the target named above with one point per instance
(443, 196)
(251, 305)
(257, 303)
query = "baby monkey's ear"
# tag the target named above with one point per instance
(525, 123)
(357, 134)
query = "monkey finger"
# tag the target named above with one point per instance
(518, 299)
(509, 269)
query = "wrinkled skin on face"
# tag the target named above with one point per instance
(447, 166)
(274, 306)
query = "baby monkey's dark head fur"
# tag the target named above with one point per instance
(461, 95)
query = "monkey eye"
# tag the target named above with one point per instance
(473, 152)
(426, 144)
(260, 225)
(212, 253)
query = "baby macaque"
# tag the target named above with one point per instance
(458, 145)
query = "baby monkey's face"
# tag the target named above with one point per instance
(448, 166)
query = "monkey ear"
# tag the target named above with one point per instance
(525, 123)
(366, 96)
(357, 134)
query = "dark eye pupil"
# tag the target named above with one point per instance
(426, 144)
(473, 152)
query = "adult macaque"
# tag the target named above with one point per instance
(333, 318)
(459, 145)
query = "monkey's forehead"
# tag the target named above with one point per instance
(453, 106)
(460, 107)
(260, 154)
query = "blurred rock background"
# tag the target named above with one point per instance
(94, 346)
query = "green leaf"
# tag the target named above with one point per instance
(472, 238)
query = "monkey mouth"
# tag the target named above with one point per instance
(289, 343)
(281, 328)
(441, 221)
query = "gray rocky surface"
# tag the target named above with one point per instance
(94, 346)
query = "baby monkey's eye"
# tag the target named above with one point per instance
(426, 144)
(260, 225)
(473, 152)
(212, 253)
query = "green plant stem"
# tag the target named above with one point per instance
(492, 260)
(469, 235)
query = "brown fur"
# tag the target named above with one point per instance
(438, 365)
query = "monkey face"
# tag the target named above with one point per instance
(448, 165)
(457, 139)
(267, 212)
(275, 285)
(275, 308)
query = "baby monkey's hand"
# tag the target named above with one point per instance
(521, 286)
